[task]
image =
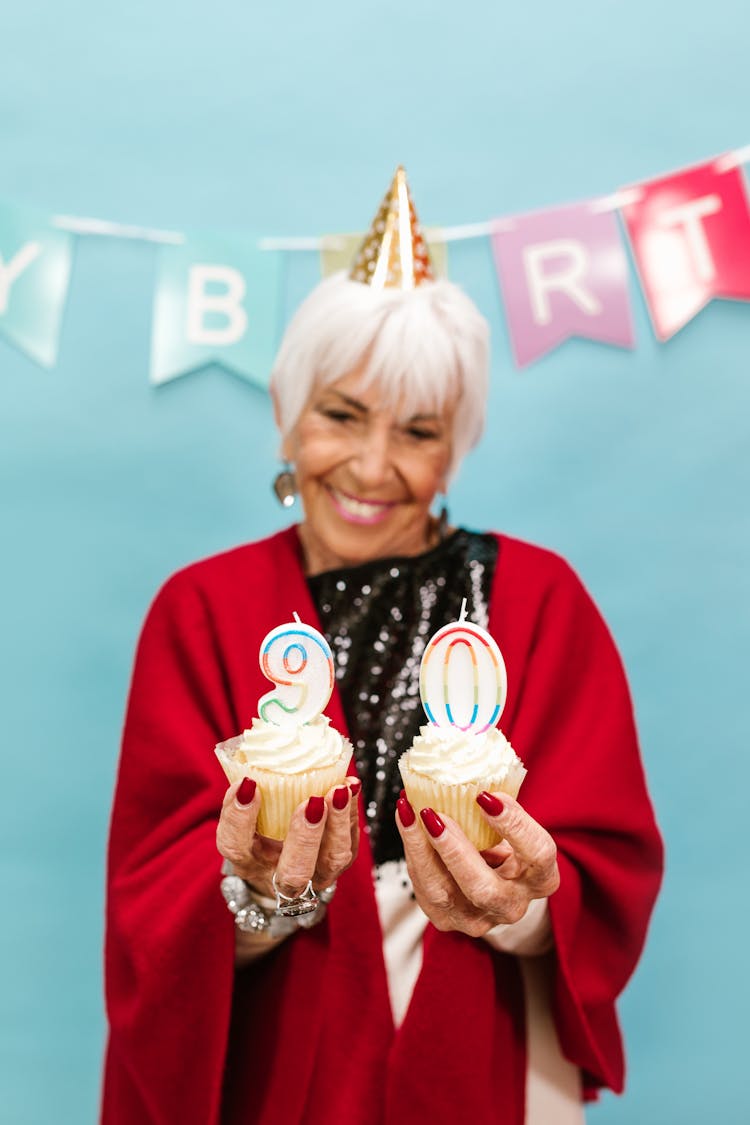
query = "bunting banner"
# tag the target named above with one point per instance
(562, 272)
(217, 300)
(35, 264)
(690, 234)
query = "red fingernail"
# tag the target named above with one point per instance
(405, 812)
(432, 823)
(340, 799)
(402, 793)
(491, 805)
(314, 810)
(246, 791)
(355, 787)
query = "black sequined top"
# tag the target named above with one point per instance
(378, 617)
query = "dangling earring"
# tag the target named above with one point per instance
(285, 486)
(442, 524)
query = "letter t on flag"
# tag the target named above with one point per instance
(216, 301)
(563, 273)
(690, 234)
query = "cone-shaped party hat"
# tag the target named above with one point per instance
(394, 254)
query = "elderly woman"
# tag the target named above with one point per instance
(452, 983)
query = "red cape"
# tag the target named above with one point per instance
(306, 1035)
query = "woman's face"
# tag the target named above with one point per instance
(366, 474)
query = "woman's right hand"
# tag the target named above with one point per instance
(321, 843)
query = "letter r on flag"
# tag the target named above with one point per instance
(563, 273)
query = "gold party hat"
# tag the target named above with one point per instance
(393, 254)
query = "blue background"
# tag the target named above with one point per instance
(634, 465)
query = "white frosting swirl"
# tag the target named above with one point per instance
(455, 757)
(290, 749)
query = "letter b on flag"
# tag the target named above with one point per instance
(216, 302)
(203, 300)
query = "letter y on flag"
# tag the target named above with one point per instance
(35, 264)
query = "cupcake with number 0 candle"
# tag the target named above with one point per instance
(459, 752)
(291, 750)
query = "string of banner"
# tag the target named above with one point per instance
(562, 271)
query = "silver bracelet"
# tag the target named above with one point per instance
(256, 914)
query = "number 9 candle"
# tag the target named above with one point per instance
(298, 660)
(291, 751)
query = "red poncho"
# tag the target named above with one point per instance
(305, 1035)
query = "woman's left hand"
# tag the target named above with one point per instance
(459, 888)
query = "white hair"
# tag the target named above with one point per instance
(423, 347)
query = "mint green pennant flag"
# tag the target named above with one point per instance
(217, 300)
(35, 262)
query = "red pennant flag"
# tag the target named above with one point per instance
(690, 233)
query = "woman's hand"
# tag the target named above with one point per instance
(459, 888)
(321, 843)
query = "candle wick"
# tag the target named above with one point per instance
(295, 615)
(462, 615)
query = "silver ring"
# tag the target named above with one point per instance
(294, 907)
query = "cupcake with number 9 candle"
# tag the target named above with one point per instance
(459, 751)
(291, 750)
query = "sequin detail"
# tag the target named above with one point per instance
(378, 618)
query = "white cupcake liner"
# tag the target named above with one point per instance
(281, 793)
(458, 801)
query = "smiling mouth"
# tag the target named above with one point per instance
(359, 511)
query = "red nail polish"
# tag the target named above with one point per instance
(405, 812)
(402, 794)
(314, 810)
(246, 791)
(355, 787)
(340, 798)
(432, 823)
(491, 805)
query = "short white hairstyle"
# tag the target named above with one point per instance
(423, 347)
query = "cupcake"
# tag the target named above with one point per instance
(460, 752)
(291, 751)
(288, 763)
(447, 768)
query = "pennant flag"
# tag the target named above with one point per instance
(563, 273)
(35, 263)
(217, 301)
(690, 234)
(341, 256)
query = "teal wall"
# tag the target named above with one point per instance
(634, 465)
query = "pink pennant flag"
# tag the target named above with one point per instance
(563, 273)
(690, 233)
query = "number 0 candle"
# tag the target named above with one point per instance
(298, 660)
(462, 678)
